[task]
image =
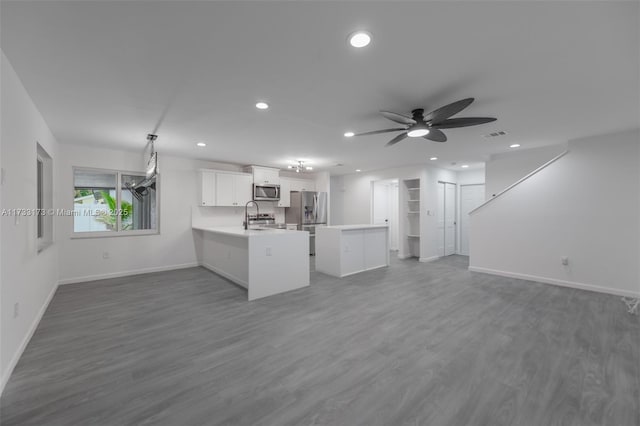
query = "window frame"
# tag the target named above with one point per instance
(39, 199)
(119, 232)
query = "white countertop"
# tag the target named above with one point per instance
(352, 227)
(239, 231)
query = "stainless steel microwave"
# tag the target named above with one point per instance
(266, 192)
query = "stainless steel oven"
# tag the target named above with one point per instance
(266, 192)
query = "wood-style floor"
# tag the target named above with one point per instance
(412, 344)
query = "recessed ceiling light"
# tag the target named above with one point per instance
(515, 145)
(358, 170)
(359, 39)
(349, 134)
(309, 168)
(201, 144)
(433, 158)
(262, 105)
(464, 166)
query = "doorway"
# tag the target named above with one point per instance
(471, 196)
(384, 207)
(446, 215)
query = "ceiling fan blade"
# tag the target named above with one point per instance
(435, 135)
(447, 111)
(375, 132)
(462, 122)
(396, 139)
(398, 118)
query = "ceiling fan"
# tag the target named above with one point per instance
(429, 126)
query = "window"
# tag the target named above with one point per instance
(111, 203)
(44, 199)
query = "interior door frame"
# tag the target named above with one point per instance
(456, 213)
(389, 181)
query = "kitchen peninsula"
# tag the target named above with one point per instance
(264, 261)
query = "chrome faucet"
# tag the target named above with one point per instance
(246, 215)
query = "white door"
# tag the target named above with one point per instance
(471, 196)
(380, 203)
(450, 219)
(446, 218)
(440, 219)
(384, 208)
(394, 216)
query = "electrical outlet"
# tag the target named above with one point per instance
(105, 255)
(564, 260)
(16, 309)
(268, 251)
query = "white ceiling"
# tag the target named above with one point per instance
(105, 73)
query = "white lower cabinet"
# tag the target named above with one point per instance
(349, 249)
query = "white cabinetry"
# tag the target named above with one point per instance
(232, 189)
(207, 188)
(302, 184)
(349, 249)
(285, 193)
(220, 188)
(264, 175)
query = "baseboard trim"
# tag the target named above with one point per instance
(557, 282)
(225, 275)
(429, 259)
(127, 273)
(32, 329)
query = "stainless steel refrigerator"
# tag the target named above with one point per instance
(308, 209)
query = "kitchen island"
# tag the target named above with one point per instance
(348, 249)
(264, 261)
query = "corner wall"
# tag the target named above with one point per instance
(27, 277)
(585, 206)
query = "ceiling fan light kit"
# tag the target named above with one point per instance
(429, 126)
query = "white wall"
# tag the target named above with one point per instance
(505, 169)
(26, 276)
(469, 177)
(81, 259)
(336, 200)
(584, 206)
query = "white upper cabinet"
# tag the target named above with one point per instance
(285, 193)
(265, 175)
(302, 185)
(220, 188)
(207, 188)
(243, 189)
